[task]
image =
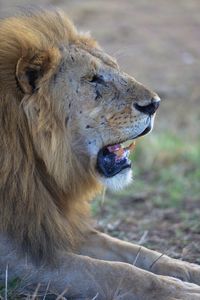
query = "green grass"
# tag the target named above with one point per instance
(10, 291)
(173, 169)
(163, 200)
(166, 169)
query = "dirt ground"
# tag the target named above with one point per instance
(158, 42)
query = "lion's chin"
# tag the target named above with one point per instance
(119, 181)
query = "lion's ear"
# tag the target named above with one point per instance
(32, 68)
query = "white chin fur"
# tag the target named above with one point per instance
(118, 181)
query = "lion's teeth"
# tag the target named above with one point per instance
(119, 149)
(126, 144)
(131, 147)
(114, 148)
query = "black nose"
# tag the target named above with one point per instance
(149, 109)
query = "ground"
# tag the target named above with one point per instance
(157, 42)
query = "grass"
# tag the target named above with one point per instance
(8, 289)
(166, 168)
(172, 169)
(164, 200)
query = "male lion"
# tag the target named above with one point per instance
(65, 109)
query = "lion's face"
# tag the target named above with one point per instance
(103, 108)
(81, 109)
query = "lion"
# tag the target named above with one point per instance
(66, 109)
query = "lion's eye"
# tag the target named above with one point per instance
(97, 79)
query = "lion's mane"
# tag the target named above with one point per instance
(42, 211)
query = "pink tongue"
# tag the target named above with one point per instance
(114, 147)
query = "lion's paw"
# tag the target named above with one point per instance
(183, 290)
(179, 269)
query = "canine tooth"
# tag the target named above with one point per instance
(126, 144)
(131, 147)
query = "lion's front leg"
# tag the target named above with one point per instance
(79, 278)
(102, 246)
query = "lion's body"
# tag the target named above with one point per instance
(55, 116)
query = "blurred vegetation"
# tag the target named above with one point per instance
(161, 206)
(172, 167)
(166, 168)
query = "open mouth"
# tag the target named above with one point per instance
(112, 159)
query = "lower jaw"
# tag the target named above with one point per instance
(109, 164)
(114, 172)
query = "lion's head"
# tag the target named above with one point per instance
(66, 109)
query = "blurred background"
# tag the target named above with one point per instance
(158, 42)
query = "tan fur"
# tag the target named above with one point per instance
(35, 211)
(53, 121)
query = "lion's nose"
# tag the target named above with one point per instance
(149, 109)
